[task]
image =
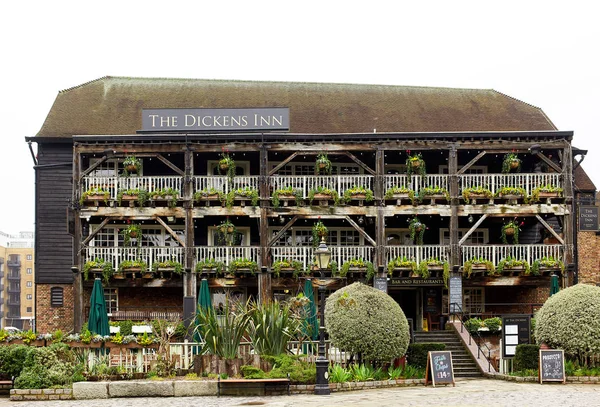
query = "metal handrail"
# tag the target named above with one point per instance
(462, 316)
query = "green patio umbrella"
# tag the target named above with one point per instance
(98, 318)
(553, 284)
(311, 327)
(204, 302)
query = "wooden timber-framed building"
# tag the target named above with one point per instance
(367, 132)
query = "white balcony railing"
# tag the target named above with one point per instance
(150, 255)
(224, 184)
(495, 182)
(416, 182)
(305, 254)
(418, 253)
(226, 254)
(115, 184)
(528, 252)
(305, 183)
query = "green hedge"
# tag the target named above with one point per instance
(526, 357)
(416, 355)
(12, 359)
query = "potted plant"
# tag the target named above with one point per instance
(139, 195)
(226, 232)
(545, 265)
(478, 264)
(417, 230)
(131, 165)
(132, 231)
(322, 165)
(227, 165)
(415, 165)
(545, 191)
(358, 265)
(131, 266)
(208, 265)
(433, 264)
(285, 195)
(100, 266)
(169, 266)
(96, 194)
(511, 229)
(319, 232)
(511, 193)
(360, 193)
(510, 163)
(209, 194)
(399, 193)
(402, 265)
(243, 194)
(242, 265)
(165, 193)
(433, 193)
(293, 266)
(512, 266)
(323, 195)
(471, 194)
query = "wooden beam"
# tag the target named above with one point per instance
(93, 167)
(170, 165)
(547, 226)
(470, 163)
(171, 231)
(283, 230)
(284, 162)
(551, 163)
(359, 162)
(473, 228)
(361, 231)
(95, 232)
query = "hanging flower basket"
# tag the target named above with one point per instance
(509, 231)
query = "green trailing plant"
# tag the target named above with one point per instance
(227, 232)
(401, 262)
(95, 191)
(547, 262)
(131, 164)
(142, 195)
(417, 230)
(98, 263)
(472, 325)
(322, 165)
(166, 193)
(237, 264)
(517, 191)
(351, 193)
(247, 192)
(511, 162)
(494, 324)
(132, 231)
(227, 166)
(389, 194)
(468, 193)
(210, 264)
(333, 268)
(510, 263)
(279, 265)
(535, 193)
(289, 191)
(358, 263)
(323, 191)
(425, 265)
(209, 192)
(129, 264)
(168, 264)
(416, 165)
(319, 231)
(512, 228)
(477, 261)
(272, 325)
(431, 191)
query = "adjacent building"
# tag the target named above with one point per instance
(155, 184)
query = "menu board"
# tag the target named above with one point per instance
(552, 365)
(439, 368)
(455, 294)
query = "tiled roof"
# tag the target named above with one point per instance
(583, 181)
(112, 105)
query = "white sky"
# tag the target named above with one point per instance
(542, 52)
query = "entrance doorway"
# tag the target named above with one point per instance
(407, 299)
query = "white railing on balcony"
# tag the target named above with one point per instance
(150, 255)
(416, 182)
(305, 254)
(418, 253)
(528, 252)
(115, 184)
(495, 182)
(224, 184)
(227, 254)
(305, 183)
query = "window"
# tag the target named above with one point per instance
(473, 301)
(29, 296)
(109, 236)
(478, 237)
(56, 296)
(29, 257)
(309, 169)
(111, 296)
(29, 309)
(302, 236)
(30, 284)
(29, 271)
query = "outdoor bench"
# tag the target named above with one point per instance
(4, 383)
(267, 384)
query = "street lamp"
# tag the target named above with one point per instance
(323, 256)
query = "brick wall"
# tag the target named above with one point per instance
(588, 246)
(49, 318)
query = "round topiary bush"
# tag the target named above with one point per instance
(362, 319)
(570, 320)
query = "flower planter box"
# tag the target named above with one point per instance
(98, 200)
(548, 196)
(513, 271)
(323, 199)
(129, 200)
(478, 270)
(91, 345)
(128, 272)
(162, 201)
(286, 199)
(435, 271)
(511, 198)
(207, 199)
(435, 197)
(401, 197)
(546, 271)
(360, 198)
(206, 271)
(477, 197)
(403, 272)
(148, 275)
(166, 272)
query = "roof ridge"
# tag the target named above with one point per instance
(84, 84)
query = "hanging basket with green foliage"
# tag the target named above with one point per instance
(131, 165)
(322, 165)
(417, 230)
(416, 165)
(227, 166)
(511, 229)
(319, 231)
(132, 231)
(511, 163)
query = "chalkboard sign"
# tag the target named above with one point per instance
(380, 283)
(552, 365)
(439, 366)
(455, 296)
(516, 330)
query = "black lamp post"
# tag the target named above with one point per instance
(323, 256)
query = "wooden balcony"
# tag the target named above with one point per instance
(528, 252)
(306, 183)
(223, 184)
(150, 255)
(495, 182)
(115, 184)
(416, 182)
(418, 253)
(305, 254)
(226, 254)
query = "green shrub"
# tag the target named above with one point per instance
(299, 371)
(12, 359)
(416, 354)
(570, 320)
(493, 324)
(362, 319)
(272, 325)
(49, 366)
(526, 357)
(473, 324)
(251, 372)
(337, 374)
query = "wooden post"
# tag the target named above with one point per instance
(452, 171)
(264, 278)
(77, 238)
(189, 279)
(380, 221)
(570, 219)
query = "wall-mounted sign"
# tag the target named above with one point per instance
(588, 218)
(516, 329)
(455, 294)
(215, 120)
(380, 283)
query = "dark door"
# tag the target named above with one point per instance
(407, 299)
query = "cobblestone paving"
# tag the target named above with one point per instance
(466, 393)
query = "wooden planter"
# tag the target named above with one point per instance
(129, 200)
(513, 271)
(166, 272)
(98, 200)
(514, 164)
(286, 199)
(403, 271)
(478, 270)
(404, 196)
(415, 164)
(360, 198)
(148, 274)
(475, 197)
(435, 197)
(323, 199)
(132, 168)
(91, 345)
(209, 198)
(435, 271)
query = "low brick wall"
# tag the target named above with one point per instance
(351, 386)
(535, 379)
(40, 394)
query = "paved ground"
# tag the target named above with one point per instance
(486, 393)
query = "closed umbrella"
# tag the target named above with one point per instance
(204, 303)
(98, 318)
(311, 323)
(554, 284)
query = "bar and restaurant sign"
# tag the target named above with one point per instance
(216, 120)
(416, 282)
